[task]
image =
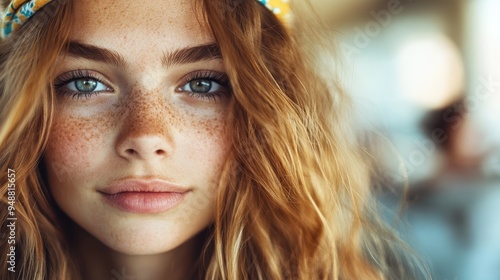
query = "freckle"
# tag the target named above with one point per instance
(72, 138)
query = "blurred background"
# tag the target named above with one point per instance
(425, 74)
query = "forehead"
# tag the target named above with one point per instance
(143, 25)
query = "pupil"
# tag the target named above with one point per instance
(201, 86)
(86, 85)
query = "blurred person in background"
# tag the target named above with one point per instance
(432, 65)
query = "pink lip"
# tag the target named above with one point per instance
(144, 196)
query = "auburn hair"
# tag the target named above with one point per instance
(294, 200)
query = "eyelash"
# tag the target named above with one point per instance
(213, 76)
(218, 77)
(62, 81)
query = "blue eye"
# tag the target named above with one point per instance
(205, 85)
(80, 83)
(202, 86)
(86, 85)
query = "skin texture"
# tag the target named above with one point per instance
(140, 126)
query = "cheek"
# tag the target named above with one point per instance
(211, 125)
(203, 155)
(209, 136)
(74, 144)
(206, 144)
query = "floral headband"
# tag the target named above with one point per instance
(19, 11)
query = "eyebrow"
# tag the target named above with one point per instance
(180, 56)
(90, 52)
(191, 54)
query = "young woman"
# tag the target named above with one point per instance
(168, 139)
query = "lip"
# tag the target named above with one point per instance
(144, 196)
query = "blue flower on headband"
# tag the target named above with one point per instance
(7, 29)
(27, 9)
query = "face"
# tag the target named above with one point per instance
(139, 134)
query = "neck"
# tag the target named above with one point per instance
(96, 261)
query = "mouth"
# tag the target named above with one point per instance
(144, 196)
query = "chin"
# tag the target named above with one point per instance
(145, 237)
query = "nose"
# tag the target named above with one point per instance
(145, 133)
(146, 147)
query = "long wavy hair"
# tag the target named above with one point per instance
(294, 200)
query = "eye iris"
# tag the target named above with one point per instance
(86, 85)
(201, 86)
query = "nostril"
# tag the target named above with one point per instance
(161, 152)
(144, 147)
(130, 151)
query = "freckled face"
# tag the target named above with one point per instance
(138, 114)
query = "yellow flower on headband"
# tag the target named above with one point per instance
(19, 11)
(281, 8)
